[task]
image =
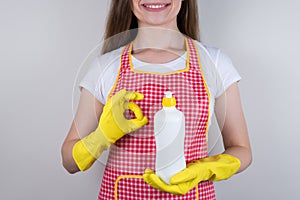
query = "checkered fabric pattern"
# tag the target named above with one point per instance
(132, 154)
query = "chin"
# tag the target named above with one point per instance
(159, 23)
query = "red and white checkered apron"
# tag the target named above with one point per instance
(132, 154)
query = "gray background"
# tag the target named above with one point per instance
(43, 43)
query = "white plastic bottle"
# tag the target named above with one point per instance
(169, 132)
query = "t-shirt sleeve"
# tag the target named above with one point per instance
(92, 80)
(226, 71)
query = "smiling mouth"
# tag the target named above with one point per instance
(155, 5)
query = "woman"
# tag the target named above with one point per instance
(136, 67)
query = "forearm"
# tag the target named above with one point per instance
(242, 153)
(67, 157)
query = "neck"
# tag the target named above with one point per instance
(158, 39)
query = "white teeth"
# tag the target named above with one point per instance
(155, 6)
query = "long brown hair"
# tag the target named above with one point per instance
(122, 20)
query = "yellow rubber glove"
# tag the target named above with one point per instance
(112, 126)
(214, 168)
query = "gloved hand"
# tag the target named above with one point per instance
(112, 126)
(214, 168)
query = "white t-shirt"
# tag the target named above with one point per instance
(219, 72)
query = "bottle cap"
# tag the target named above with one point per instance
(168, 100)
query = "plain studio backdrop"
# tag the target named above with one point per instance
(44, 42)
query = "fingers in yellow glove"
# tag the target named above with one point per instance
(135, 109)
(133, 95)
(140, 119)
(152, 179)
(214, 168)
(113, 124)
